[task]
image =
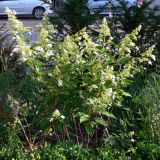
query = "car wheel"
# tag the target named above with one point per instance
(38, 12)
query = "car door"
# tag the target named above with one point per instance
(95, 5)
(16, 5)
(98, 3)
(29, 5)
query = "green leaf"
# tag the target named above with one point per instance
(94, 86)
(84, 118)
(100, 121)
(89, 127)
(107, 114)
(58, 125)
(126, 94)
(124, 59)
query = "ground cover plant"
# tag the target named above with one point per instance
(69, 100)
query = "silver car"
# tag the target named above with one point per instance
(25, 7)
(104, 5)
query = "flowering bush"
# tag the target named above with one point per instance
(79, 81)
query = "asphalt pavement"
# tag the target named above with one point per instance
(27, 21)
(31, 23)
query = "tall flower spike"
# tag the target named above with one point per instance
(104, 32)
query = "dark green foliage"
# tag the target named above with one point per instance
(148, 151)
(137, 129)
(77, 152)
(70, 151)
(49, 152)
(148, 100)
(12, 148)
(74, 16)
(61, 151)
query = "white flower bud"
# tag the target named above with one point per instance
(56, 113)
(153, 57)
(51, 120)
(39, 48)
(23, 59)
(150, 62)
(132, 140)
(9, 98)
(63, 117)
(48, 54)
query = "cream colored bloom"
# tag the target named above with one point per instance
(56, 113)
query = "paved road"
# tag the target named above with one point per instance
(31, 23)
(28, 22)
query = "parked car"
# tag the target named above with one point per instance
(99, 6)
(25, 7)
(104, 6)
